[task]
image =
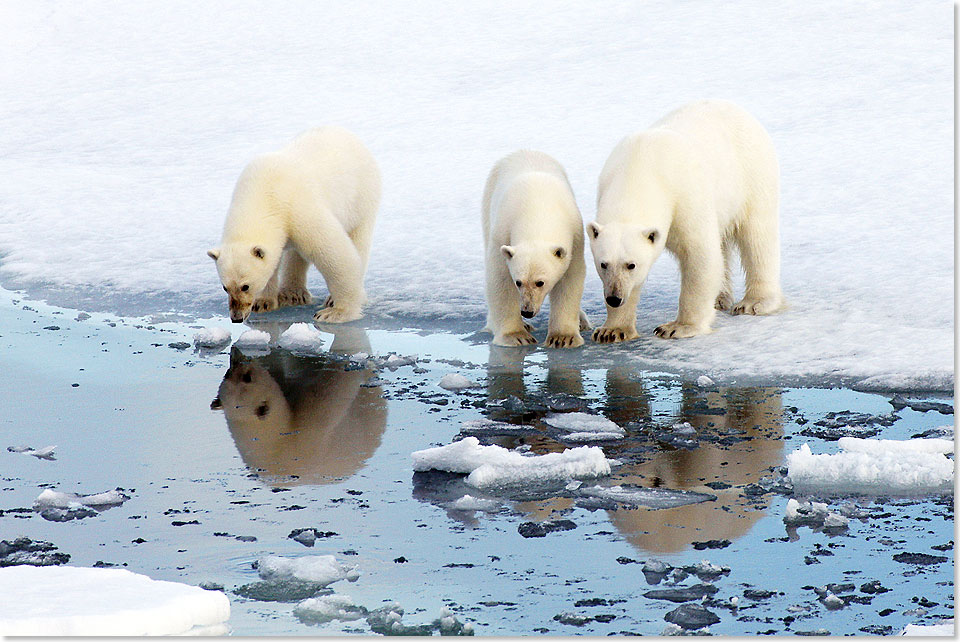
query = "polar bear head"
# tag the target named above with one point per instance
(244, 269)
(535, 268)
(623, 254)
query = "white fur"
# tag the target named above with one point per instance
(529, 217)
(700, 181)
(314, 201)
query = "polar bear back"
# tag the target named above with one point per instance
(706, 154)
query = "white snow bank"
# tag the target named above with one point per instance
(302, 337)
(582, 426)
(120, 211)
(56, 499)
(253, 339)
(211, 338)
(874, 467)
(946, 628)
(68, 600)
(456, 382)
(322, 569)
(494, 465)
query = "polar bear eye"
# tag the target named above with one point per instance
(631, 266)
(539, 284)
(519, 285)
(244, 288)
(603, 266)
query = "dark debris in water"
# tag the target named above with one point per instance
(682, 594)
(691, 616)
(540, 529)
(922, 559)
(26, 552)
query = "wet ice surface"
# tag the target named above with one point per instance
(232, 459)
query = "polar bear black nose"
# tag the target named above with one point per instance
(614, 301)
(526, 314)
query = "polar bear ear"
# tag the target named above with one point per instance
(594, 229)
(559, 252)
(257, 251)
(507, 251)
(214, 254)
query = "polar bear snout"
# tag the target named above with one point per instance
(528, 314)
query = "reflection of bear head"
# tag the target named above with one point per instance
(298, 420)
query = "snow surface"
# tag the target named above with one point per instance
(304, 338)
(946, 628)
(125, 128)
(495, 465)
(322, 569)
(69, 600)
(211, 338)
(456, 382)
(865, 466)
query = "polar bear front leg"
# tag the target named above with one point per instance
(503, 308)
(293, 279)
(342, 268)
(267, 299)
(621, 323)
(563, 331)
(701, 279)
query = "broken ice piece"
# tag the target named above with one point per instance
(582, 426)
(253, 340)
(456, 382)
(211, 338)
(322, 569)
(303, 338)
(56, 499)
(704, 381)
(394, 361)
(40, 453)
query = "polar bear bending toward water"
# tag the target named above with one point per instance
(702, 180)
(314, 201)
(533, 246)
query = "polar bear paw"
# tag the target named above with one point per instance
(724, 301)
(563, 340)
(758, 306)
(294, 296)
(519, 338)
(337, 315)
(605, 334)
(677, 330)
(265, 304)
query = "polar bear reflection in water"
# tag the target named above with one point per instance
(299, 420)
(749, 420)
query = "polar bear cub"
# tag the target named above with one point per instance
(702, 180)
(314, 201)
(533, 242)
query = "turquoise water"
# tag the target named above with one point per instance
(259, 446)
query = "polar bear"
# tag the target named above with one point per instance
(701, 180)
(314, 201)
(533, 242)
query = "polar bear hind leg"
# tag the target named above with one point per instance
(758, 239)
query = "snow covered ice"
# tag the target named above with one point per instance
(68, 600)
(866, 466)
(581, 426)
(495, 465)
(303, 338)
(211, 338)
(104, 162)
(456, 382)
(56, 499)
(253, 340)
(320, 569)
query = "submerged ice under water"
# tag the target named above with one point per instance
(126, 129)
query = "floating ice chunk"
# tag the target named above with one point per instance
(321, 569)
(302, 337)
(648, 497)
(395, 361)
(69, 600)
(40, 453)
(944, 628)
(494, 465)
(704, 381)
(832, 602)
(874, 466)
(469, 502)
(583, 426)
(253, 340)
(211, 338)
(326, 608)
(656, 567)
(834, 521)
(456, 382)
(56, 499)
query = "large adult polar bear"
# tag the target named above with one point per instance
(533, 241)
(699, 181)
(314, 201)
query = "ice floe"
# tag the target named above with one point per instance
(325, 608)
(253, 340)
(69, 600)
(642, 496)
(456, 382)
(864, 466)
(946, 628)
(40, 453)
(57, 499)
(303, 338)
(211, 338)
(582, 426)
(494, 465)
(319, 569)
